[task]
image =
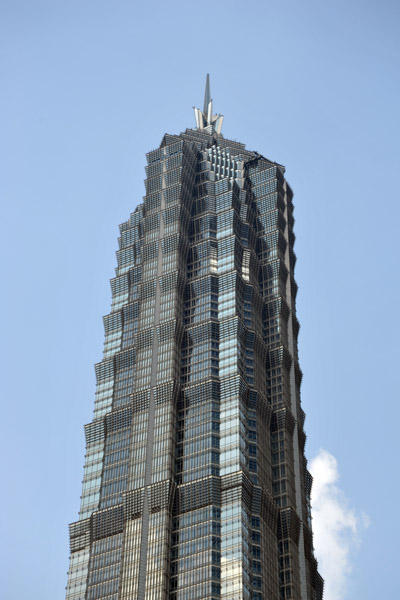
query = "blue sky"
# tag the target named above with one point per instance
(87, 89)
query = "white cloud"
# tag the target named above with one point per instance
(337, 526)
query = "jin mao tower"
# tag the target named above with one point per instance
(195, 482)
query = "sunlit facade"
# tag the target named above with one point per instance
(195, 482)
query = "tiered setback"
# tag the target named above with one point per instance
(195, 484)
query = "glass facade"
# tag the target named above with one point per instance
(195, 481)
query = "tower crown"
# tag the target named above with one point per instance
(206, 120)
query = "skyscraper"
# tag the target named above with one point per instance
(195, 482)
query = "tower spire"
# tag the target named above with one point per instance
(206, 119)
(207, 95)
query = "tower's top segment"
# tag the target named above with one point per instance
(206, 120)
